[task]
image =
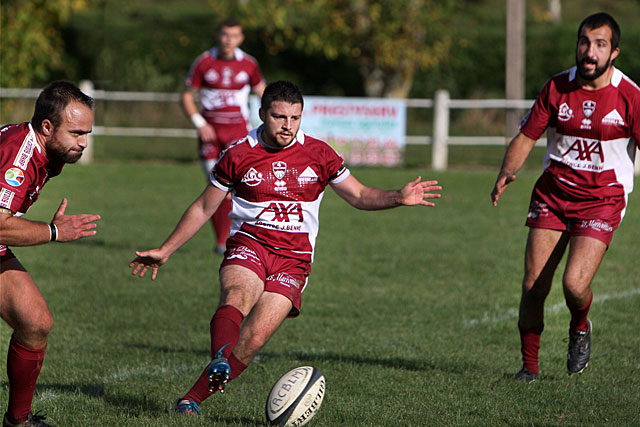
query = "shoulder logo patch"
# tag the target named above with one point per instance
(14, 177)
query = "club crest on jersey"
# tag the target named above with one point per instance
(14, 177)
(588, 108)
(565, 113)
(279, 171)
(252, 178)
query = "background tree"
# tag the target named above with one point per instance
(388, 40)
(31, 42)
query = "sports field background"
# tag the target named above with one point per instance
(410, 313)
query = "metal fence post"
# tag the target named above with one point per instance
(440, 130)
(88, 88)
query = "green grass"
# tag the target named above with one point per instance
(409, 312)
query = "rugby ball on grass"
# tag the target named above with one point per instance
(296, 397)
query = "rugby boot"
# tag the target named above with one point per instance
(218, 372)
(579, 350)
(186, 407)
(33, 420)
(526, 376)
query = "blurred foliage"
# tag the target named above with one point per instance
(31, 44)
(329, 47)
(388, 40)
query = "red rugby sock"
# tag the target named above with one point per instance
(222, 222)
(225, 331)
(23, 368)
(237, 367)
(579, 316)
(530, 346)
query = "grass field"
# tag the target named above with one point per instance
(410, 313)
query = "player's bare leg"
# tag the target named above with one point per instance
(544, 251)
(265, 318)
(23, 307)
(585, 255)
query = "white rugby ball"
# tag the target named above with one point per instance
(296, 397)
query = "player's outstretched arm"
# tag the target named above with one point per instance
(517, 153)
(196, 215)
(18, 231)
(416, 192)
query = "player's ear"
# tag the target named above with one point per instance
(615, 53)
(47, 127)
(261, 114)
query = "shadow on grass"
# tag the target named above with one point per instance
(397, 363)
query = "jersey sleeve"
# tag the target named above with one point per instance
(256, 77)
(336, 169)
(536, 121)
(221, 175)
(195, 76)
(14, 182)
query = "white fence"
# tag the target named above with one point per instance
(439, 141)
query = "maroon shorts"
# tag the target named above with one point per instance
(554, 209)
(6, 256)
(226, 135)
(281, 275)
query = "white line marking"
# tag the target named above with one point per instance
(512, 313)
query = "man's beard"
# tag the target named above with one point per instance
(597, 72)
(58, 156)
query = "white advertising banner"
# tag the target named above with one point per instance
(366, 131)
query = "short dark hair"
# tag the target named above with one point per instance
(229, 22)
(598, 20)
(281, 90)
(54, 99)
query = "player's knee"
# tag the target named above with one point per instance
(38, 326)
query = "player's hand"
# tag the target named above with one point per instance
(207, 134)
(153, 259)
(73, 227)
(415, 192)
(501, 185)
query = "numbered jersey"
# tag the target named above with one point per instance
(591, 134)
(24, 169)
(276, 193)
(224, 85)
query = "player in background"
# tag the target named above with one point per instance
(276, 177)
(591, 113)
(30, 154)
(223, 77)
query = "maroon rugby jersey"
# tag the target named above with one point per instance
(276, 193)
(224, 85)
(24, 169)
(591, 134)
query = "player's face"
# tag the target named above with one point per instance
(281, 123)
(67, 142)
(229, 38)
(593, 53)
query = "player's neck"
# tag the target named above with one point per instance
(603, 81)
(41, 140)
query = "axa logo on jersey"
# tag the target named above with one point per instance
(282, 212)
(585, 149)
